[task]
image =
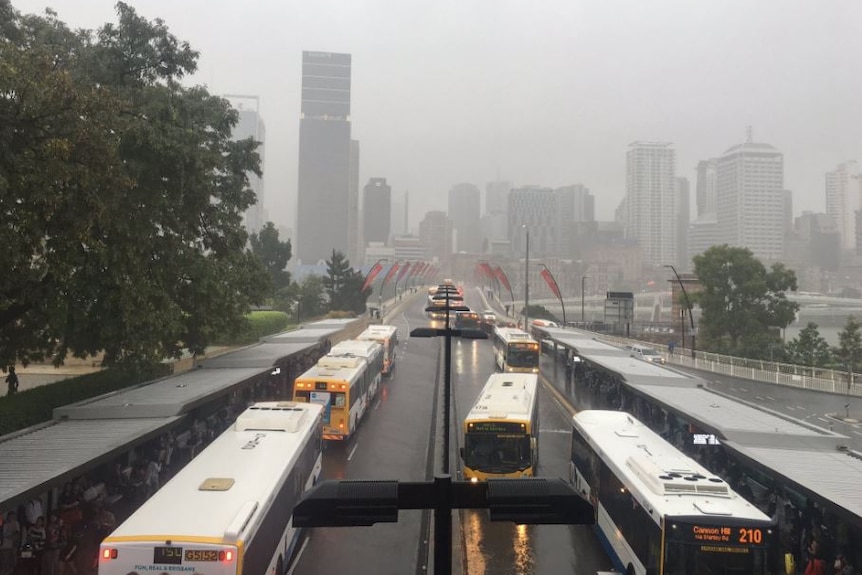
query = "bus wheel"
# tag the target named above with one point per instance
(630, 570)
(279, 566)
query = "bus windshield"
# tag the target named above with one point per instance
(521, 356)
(497, 453)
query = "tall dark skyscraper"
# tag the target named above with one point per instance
(464, 202)
(323, 192)
(376, 210)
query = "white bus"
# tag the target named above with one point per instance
(501, 432)
(345, 386)
(372, 352)
(515, 350)
(659, 512)
(387, 336)
(228, 512)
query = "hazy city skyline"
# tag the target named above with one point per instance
(469, 92)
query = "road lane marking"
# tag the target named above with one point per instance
(758, 398)
(298, 555)
(790, 407)
(823, 420)
(799, 407)
(856, 432)
(352, 451)
(770, 398)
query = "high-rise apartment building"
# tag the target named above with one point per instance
(464, 212)
(750, 199)
(705, 187)
(354, 234)
(683, 219)
(250, 125)
(497, 197)
(651, 200)
(575, 205)
(323, 191)
(435, 233)
(533, 209)
(377, 210)
(400, 206)
(843, 198)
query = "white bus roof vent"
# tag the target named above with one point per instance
(286, 416)
(340, 361)
(712, 508)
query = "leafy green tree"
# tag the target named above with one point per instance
(311, 298)
(273, 254)
(122, 194)
(743, 306)
(354, 299)
(809, 347)
(849, 350)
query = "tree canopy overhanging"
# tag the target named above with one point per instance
(743, 304)
(121, 193)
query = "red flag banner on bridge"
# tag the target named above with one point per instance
(485, 271)
(404, 269)
(372, 273)
(389, 274)
(417, 270)
(501, 275)
(552, 283)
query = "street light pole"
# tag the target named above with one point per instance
(583, 317)
(527, 282)
(688, 304)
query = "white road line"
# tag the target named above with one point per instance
(770, 398)
(298, 555)
(857, 432)
(823, 419)
(790, 407)
(799, 407)
(352, 451)
(758, 398)
(743, 389)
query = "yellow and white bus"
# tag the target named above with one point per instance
(501, 432)
(659, 511)
(387, 336)
(515, 351)
(228, 512)
(344, 385)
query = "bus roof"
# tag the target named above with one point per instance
(183, 507)
(364, 348)
(378, 331)
(509, 334)
(509, 396)
(337, 368)
(660, 477)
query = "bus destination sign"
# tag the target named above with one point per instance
(496, 427)
(721, 534)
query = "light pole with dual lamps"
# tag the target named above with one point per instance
(583, 315)
(688, 305)
(527, 281)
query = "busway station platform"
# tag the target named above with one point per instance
(87, 435)
(810, 461)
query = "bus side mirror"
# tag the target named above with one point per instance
(461, 451)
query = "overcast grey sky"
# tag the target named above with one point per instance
(548, 93)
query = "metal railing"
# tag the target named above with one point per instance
(791, 375)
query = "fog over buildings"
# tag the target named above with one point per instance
(550, 95)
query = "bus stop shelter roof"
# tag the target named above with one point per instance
(36, 458)
(260, 355)
(174, 395)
